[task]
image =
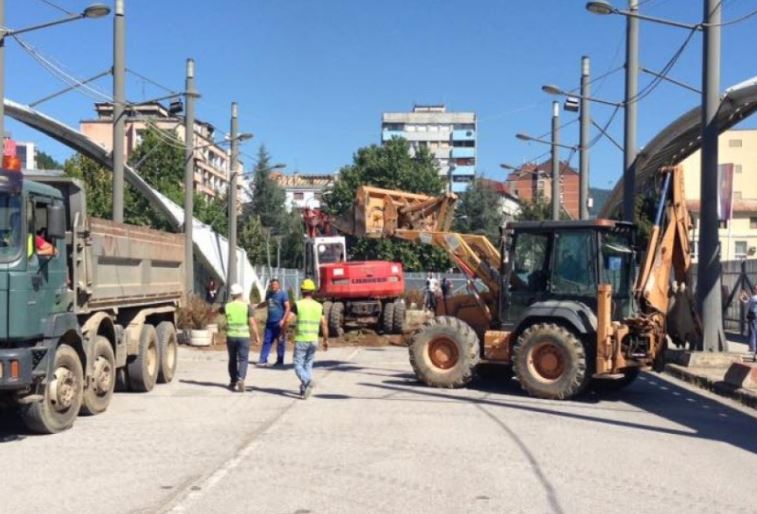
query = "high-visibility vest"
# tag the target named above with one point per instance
(309, 314)
(237, 319)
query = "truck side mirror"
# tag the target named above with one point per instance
(56, 221)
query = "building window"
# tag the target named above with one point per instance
(737, 168)
(740, 249)
(299, 196)
(753, 222)
(734, 143)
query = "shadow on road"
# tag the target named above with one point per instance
(11, 427)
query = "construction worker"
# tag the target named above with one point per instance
(277, 301)
(309, 315)
(240, 324)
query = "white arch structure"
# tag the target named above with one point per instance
(683, 137)
(211, 248)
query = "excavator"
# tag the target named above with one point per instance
(563, 305)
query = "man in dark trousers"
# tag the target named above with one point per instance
(278, 310)
(240, 325)
(309, 319)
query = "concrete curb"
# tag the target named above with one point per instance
(719, 387)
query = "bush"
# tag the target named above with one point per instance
(196, 314)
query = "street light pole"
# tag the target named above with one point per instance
(585, 122)
(708, 283)
(232, 196)
(632, 89)
(119, 100)
(555, 160)
(189, 165)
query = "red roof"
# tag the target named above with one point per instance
(544, 167)
(501, 188)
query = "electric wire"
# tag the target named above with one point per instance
(56, 6)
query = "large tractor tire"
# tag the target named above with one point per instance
(168, 347)
(327, 309)
(398, 324)
(444, 352)
(550, 362)
(336, 320)
(62, 397)
(99, 390)
(611, 385)
(387, 318)
(143, 370)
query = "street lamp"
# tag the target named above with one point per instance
(93, 11)
(525, 137)
(603, 7)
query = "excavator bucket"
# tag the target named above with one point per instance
(382, 212)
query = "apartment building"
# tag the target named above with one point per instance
(738, 237)
(211, 159)
(508, 202)
(449, 136)
(532, 181)
(302, 190)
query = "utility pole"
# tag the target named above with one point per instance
(119, 101)
(232, 194)
(585, 122)
(708, 275)
(555, 161)
(632, 89)
(189, 168)
(2, 79)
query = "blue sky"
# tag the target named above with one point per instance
(312, 77)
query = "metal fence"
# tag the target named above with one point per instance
(734, 314)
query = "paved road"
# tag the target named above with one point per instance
(372, 440)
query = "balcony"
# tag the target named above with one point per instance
(463, 135)
(387, 134)
(463, 152)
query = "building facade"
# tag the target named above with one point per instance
(508, 202)
(211, 177)
(532, 181)
(27, 153)
(449, 136)
(303, 191)
(738, 237)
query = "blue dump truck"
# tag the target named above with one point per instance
(86, 305)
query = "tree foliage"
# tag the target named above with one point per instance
(479, 211)
(391, 167)
(538, 209)
(45, 161)
(267, 197)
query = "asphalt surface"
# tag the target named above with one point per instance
(371, 439)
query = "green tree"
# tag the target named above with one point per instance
(538, 209)
(391, 167)
(479, 211)
(292, 245)
(267, 197)
(251, 237)
(98, 184)
(45, 161)
(214, 212)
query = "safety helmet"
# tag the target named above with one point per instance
(236, 290)
(308, 285)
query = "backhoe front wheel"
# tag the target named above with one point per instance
(550, 362)
(444, 352)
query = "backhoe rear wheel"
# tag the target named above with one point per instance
(550, 362)
(444, 352)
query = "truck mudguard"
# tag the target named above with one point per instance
(578, 315)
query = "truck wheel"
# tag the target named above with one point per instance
(327, 309)
(609, 385)
(99, 390)
(550, 362)
(143, 370)
(387, 317)
(444, 352)
(398, 325)
(336, 320)
(168, 347)
(62, 397)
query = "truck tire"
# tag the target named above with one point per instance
(168, 347)
(143, 370)
(398, 325)
(444, 352)
(327, 309)
(99, 390)
(336, 320)
(550, 362)
(387, 317)
(62, 397)
(610, 385)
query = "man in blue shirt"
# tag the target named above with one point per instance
(278, 310)
(751, 316)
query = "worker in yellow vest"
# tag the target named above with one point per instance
(240, 325)
(310, 318)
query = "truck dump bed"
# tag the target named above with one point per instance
(120, 265)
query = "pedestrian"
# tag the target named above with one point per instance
(240, 325)
(445, 292)
(277, 301)
(427, 292)
(310, 317)
(211, 296)
(751, 316)
(433, 292)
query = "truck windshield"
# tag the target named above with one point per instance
(617, 260)
(330, 252)
(10, 226)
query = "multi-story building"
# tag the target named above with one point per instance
(508, 201)
(738, 237)
(303, 191)
(27, 153)
(211, 160)
(532, 181)
(449, 136)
